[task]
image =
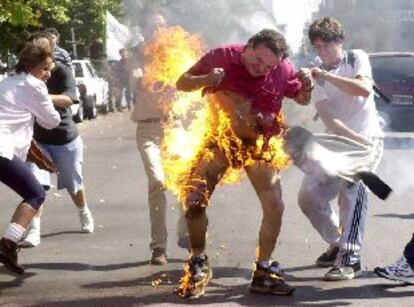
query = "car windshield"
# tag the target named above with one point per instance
(393, 68)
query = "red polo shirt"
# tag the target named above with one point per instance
(266, 92)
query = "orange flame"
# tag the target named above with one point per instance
(172, 52)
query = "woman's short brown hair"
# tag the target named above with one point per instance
(32, 54)
(327, 29)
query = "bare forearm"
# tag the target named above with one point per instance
(188, 83)
(62, 101)
(352, 86)
(339, 128)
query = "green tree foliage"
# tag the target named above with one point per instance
(28, 12)
(86, 17)
(17, 15)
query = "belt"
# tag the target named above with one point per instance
(158, 119)
(150, 120)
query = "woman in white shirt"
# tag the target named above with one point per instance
(23, 99)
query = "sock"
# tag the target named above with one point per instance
(35, 224)
(84, 209)
(265, 264)
(198, 255)
(14, 232)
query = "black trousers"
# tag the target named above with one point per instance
(409, 252)
(17, 175)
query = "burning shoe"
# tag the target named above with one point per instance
(197, 274)
(8, 256)
(399, 271)
(327, 259)
(344, 272)
(270, 280)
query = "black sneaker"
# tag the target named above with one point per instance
(270, 280)
(197, 274)
(344, 272)
(8, 256)
(159, 257)
(327, 259)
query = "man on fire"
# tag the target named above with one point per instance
(248, 82)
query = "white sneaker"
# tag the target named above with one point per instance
(32, 239)
(399, 271)
(86, 221)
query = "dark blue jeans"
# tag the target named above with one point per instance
(409, 252)
(17, 175)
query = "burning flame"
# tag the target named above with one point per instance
(173, 51)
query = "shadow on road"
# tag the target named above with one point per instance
(16, 282)
(398, 216)
(54, 234)
(76, 267)
(222, 295)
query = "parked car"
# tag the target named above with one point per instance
(77, 108)
(393, 73)
(93, 89)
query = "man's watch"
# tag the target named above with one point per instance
(324, 74)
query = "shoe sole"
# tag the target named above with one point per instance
(324, 264)
(86, 231)
(400, 279)
(339, 278)
(199, 290)
(11, 267)
(265, 290)
(27, 244)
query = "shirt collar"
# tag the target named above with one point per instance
(236, 57)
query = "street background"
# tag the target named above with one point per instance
(111, 266)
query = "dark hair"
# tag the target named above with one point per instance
(32, 54)
(40, 34)
(52, 31)
(271, 39)
(327, 29)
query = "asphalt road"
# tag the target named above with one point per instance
(110, 267)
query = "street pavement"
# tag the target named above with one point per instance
(110, 267)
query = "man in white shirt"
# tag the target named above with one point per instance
(344, 100)
(149, 116)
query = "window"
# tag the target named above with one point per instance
(393, 68)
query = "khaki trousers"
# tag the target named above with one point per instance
(148, 138)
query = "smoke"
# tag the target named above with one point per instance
(294, 14)
(397, 165)
(227, 21)
(218, 22)
(391, 23)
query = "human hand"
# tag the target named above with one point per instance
(305, 76)
(318, 73)
(214, 77)
(36, 156)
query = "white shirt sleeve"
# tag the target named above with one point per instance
(362, 66)
(42, 108)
